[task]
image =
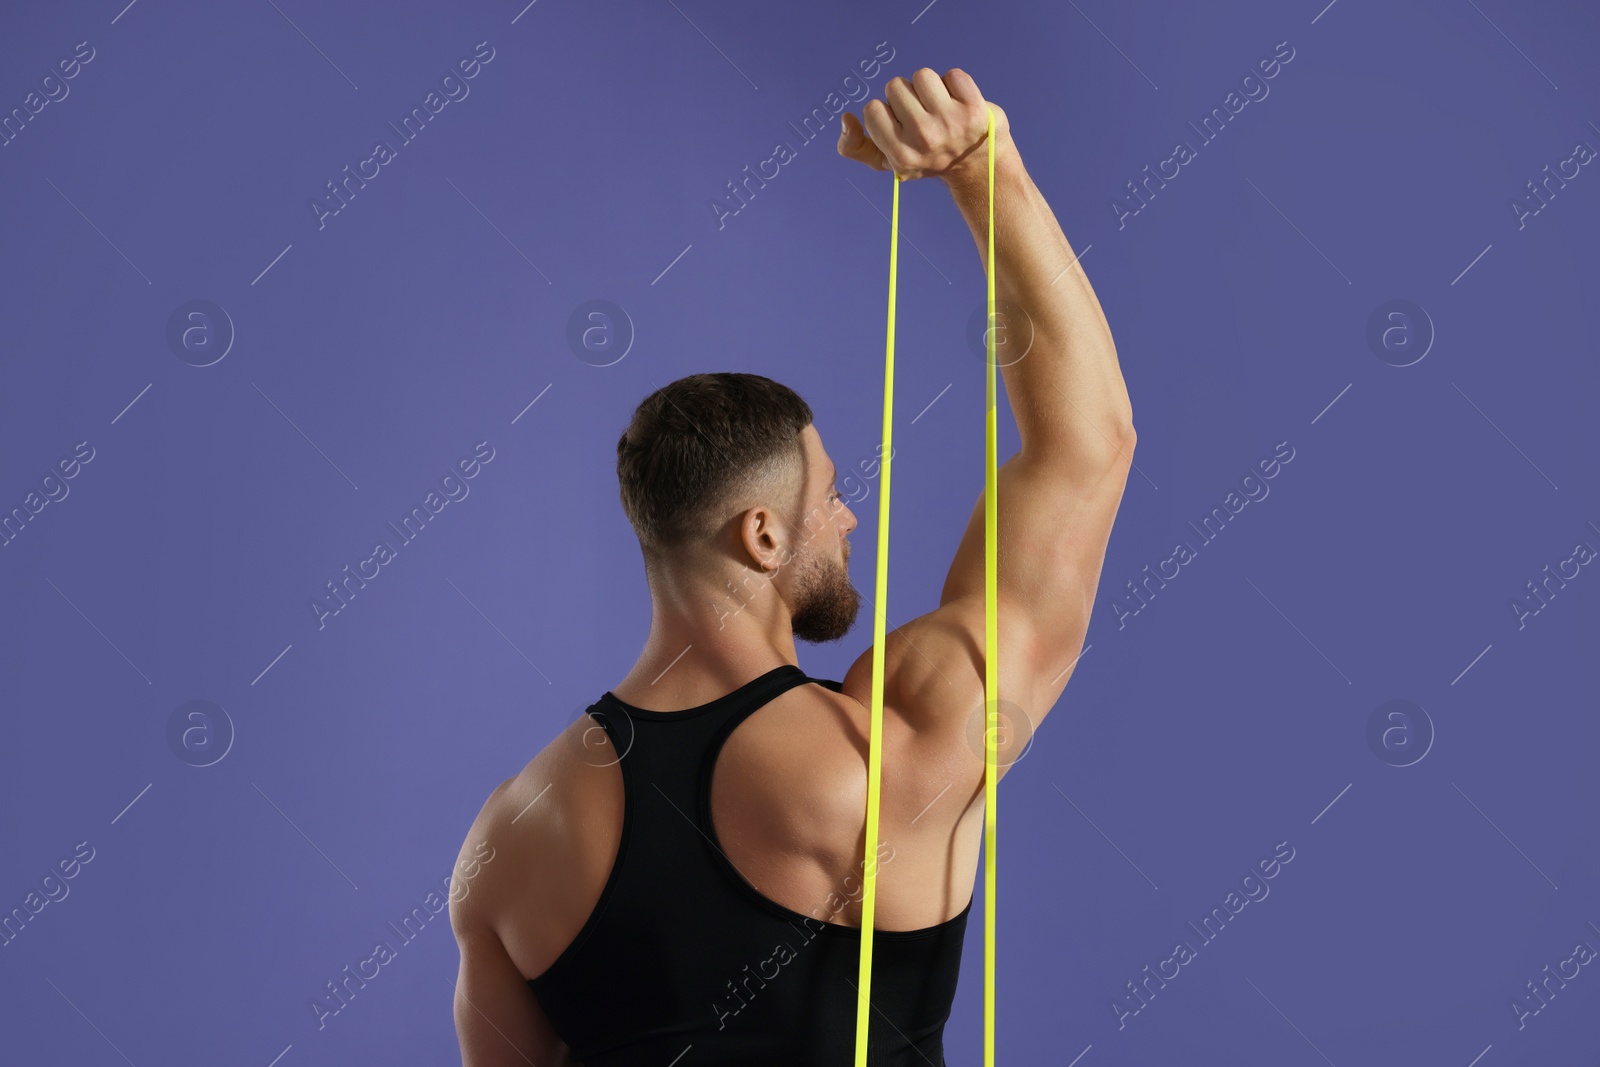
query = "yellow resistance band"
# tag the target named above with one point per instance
(991, 658)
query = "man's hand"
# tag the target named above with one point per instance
(928, 127)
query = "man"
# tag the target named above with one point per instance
(640, 909)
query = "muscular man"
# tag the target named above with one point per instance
(676, 878)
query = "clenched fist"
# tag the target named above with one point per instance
(929, 126)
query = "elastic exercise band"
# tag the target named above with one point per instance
(991, 679)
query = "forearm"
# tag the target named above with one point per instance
(1067, 394)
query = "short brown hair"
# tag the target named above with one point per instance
(696, 445)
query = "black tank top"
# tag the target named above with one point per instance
(683, 963)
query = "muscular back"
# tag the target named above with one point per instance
(788, 803)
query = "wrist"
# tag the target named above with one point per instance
(972, 170)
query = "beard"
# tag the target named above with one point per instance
(825, 601)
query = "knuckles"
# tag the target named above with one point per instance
(932, 137)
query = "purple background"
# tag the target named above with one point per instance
(1230, 714)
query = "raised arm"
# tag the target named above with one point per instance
(1059, 495)
(1067, 393)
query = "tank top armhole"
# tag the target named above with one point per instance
(564, 958)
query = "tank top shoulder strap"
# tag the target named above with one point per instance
(761, 692)
(668, 746)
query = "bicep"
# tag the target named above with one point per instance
(499, 1022)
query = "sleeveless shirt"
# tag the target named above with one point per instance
(684, 963)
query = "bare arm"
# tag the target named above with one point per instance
(499, 1022)
(1067, 393)
(1059, 495)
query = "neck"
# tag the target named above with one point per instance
(706, 639)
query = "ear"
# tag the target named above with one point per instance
(762, 537)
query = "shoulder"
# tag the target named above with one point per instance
(538, 851)
(493, 1006)
(473, 877)
(930, 665)
(506, 856)
(933, 690)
